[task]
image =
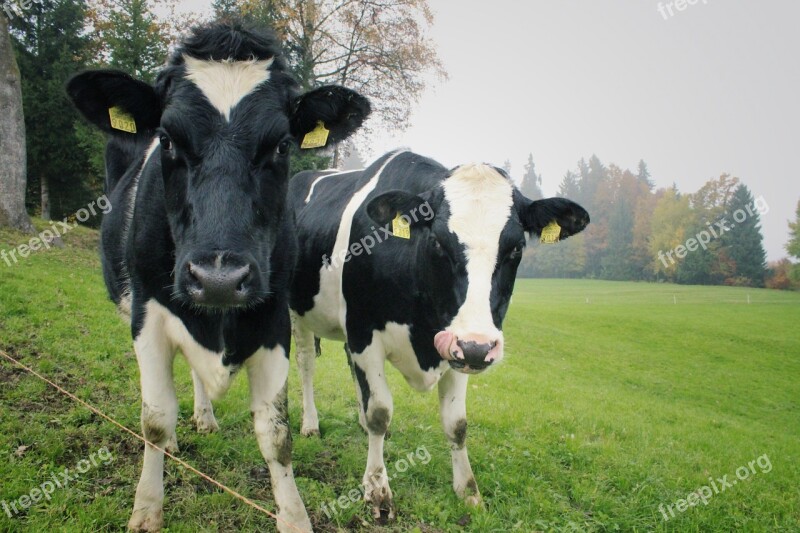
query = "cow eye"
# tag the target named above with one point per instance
(283, 148)
(166, 142)
(517, 251)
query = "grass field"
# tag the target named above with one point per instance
(614, 399)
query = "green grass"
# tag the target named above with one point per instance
(614, 398)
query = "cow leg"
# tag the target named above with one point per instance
(155, 354)
(268, 372)
(362, 418)
(203, 417)
(453, 410)
(306, 363)
(377, 402)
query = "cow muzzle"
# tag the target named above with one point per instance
(221, 281)
(470, 354)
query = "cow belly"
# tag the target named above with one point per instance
(324, 318)
(396, 339)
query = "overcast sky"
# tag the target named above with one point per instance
(713, 89)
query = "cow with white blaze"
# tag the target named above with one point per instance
(413, 263)
(199, 248)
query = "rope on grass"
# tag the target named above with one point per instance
(181, 462)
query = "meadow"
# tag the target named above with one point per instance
(615, 403)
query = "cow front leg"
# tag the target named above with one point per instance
(306, 363)
(268, 372)
(203, 417)
(155, 355)
(453, 410)
(369, 370)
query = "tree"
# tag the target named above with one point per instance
(643, 174)
(12, 138)
(793, 246)
(353, 159)
(744, 242)
(131, 38)
(51, 45)
(669, 225)
(531, 185)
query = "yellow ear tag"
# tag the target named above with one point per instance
(316, 138)
(401, 227)
(551, 233)
(121, 119)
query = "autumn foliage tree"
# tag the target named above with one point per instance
(380, 48)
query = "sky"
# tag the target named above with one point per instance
(712, 89)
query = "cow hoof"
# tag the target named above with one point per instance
(205, 422)
(292, 522)
(172, 444)
(474, 501)
(310, 431)
(379, 497)
(147, 519)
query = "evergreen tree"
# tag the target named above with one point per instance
(531, 185)
(132, 38)
(793, 246)
(51, 45)
(617, 263)
(643, 174)
(744, 242)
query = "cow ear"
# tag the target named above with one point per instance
(115, 102)
(418, 209)
(535, 215)
(339, 110)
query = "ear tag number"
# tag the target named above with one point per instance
(121, 119)
(316, 138)
(401, 227)
(551, 233)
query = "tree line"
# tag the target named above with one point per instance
(710, 237)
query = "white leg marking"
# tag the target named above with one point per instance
(155, 353)
(378, 417)
(203, 417)
(306, 362)
(268, 371)
(453, 410)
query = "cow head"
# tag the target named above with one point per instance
(220, 120)
(468, 250)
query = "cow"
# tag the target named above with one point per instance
(199, 247)
(413, 263)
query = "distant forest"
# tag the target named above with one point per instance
(710, 237)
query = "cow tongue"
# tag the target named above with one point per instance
(442, 342)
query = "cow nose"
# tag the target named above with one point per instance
(218, 285)
(475, 353)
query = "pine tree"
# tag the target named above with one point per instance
(793, 246)
(531, 185)
(643, 174)
(744, 242)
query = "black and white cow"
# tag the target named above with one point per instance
(199, 248)
(430, 299)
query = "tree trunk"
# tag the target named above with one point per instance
(12, 138)
(45, 198)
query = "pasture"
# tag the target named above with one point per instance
(616, 400)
